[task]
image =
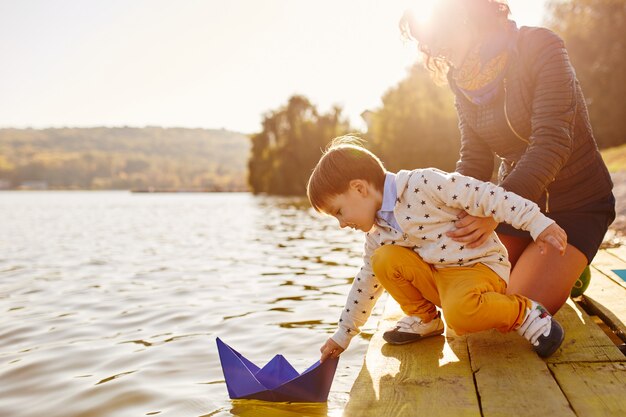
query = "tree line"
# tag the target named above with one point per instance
(416, 126)
(124, 158)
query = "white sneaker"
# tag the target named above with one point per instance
(411, 329)
(541, 330)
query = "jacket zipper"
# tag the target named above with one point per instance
(508, 122)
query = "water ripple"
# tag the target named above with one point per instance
(112, 301)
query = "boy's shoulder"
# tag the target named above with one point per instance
(406, 178)
(426, 181)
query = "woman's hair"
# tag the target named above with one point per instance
(343, 160)
(484, 16)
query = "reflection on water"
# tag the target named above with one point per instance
(111, 301)
(254, 408)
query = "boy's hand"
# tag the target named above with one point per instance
(330, 349)
(554, 236)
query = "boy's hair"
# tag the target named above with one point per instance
(343, 160)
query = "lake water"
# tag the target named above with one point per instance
(111, 301)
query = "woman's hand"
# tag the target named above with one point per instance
(552, 235)
(474, 231)
(330, 349)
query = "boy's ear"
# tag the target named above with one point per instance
(359, 186)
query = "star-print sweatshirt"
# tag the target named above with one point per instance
(428, 203)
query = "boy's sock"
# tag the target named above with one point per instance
(541, 330)
(411, 329)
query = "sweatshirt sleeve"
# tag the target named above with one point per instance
(484, 199)
(365, 291)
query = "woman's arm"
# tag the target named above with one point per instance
(553, 112)
(476, 160)
(476, 157)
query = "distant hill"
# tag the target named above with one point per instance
(124, 158)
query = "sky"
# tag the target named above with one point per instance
(199, 63)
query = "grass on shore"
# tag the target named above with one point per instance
(615, 158)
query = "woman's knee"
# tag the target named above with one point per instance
(547, 278)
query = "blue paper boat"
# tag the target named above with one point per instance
(276, 381)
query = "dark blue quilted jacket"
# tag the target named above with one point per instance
(539, 128)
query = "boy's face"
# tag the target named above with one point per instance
(355, 208)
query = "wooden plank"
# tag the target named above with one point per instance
(417, 379)
(584, 340)
(607, 262)
(593, 389)
(605, 299)
(432, 377)
(511, 379)
(508, 373)
(619, 252)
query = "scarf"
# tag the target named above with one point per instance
(480, 76)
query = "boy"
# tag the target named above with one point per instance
(406, 218)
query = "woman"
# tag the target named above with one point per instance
(517, 97)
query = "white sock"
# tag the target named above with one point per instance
(537, 322)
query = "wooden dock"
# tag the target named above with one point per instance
(491, 374)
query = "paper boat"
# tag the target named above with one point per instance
(276, 381)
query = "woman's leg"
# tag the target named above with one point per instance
(515, 246)
(546, 278)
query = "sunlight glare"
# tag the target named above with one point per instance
(448, 355)
(421, 10)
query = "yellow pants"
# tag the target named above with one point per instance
(472, 298)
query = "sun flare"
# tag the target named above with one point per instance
(421, 10)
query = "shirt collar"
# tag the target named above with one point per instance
(390, 193)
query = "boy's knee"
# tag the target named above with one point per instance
(385, 260)
(460, 314)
